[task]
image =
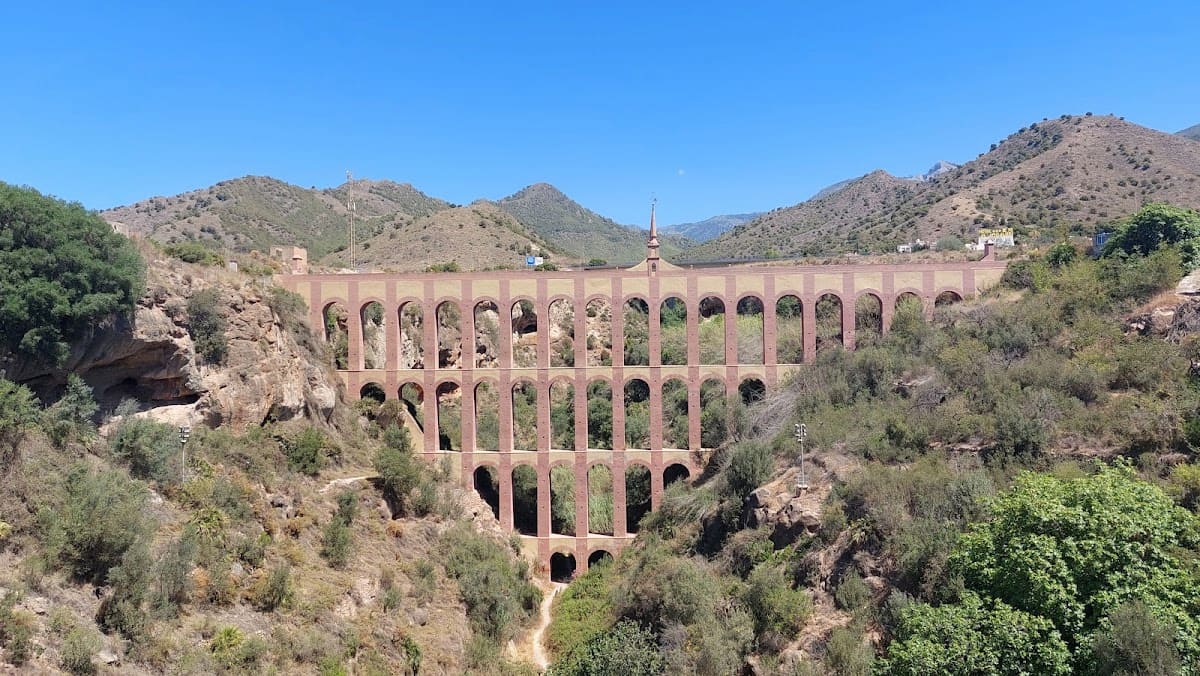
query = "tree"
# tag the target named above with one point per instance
(207, 325)
(974, 637)
(62, 271)
(71, 416)
(18, 412)
(103, 517)
(1156, 226)
(1073, 550)
(399, 472)
(625, 650)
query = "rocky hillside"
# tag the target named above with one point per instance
(702, 231)
(1064, 175)
(255, 212)
(577, 230)
(303, 536)
(478, 236)
(1192, 132)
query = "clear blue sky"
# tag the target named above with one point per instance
(715, 108)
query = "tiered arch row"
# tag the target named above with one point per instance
(601, 368)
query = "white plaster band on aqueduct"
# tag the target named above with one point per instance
(783, 300)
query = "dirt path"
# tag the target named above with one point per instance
(339, 483)
(539, 651)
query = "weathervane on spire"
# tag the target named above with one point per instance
(652, 243)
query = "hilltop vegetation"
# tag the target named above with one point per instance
(1055, 177)
(951, 457)
(62, 270)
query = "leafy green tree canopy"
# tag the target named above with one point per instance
(1073, 550)
(975, 637)
(1156, 226)
(62, 269)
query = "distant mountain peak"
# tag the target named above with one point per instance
(1192, 132)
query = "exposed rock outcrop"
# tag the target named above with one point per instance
(269, 370)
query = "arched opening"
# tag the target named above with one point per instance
(487, 416)
(562, 567)
(712, 330)
(599, 333)
(599, 557)
(714, 413)
(562, 500)
(637, 496)
(672, 322)
(752, 390)
(487, 335)
(562, 415)
(337, 334)
(947, 298)
(789, 330)
(374, 336)
(412, 350)
(412, 397)
(750, 330)
(675, 472)
(600, 500)
(449, 406)
(599, 414)
(524, 334)
(637, 332)
(637, 414)
(675, 413)
(487, 485)
(449, 336)
(372, 391)
(524, 416)
(868, 319)
(562, 333)
(525, 492)
(829, 322)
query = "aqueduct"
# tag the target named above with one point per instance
(597, 378)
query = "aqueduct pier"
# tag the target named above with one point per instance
(525, 363)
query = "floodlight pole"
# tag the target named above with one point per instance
(801, 435)
(184, 433)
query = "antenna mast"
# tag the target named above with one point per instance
(352, 211)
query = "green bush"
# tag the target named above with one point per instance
(65, 271)
(103, 516)
(495, 589)
(399, 471)
(78, 647)
(206, 323)
(582, 612)
(70, 418)
(16, 631)
(626, 649)
(18, 412)
(194, 252)
(750, 465)
(779, 610)
(149, 448)
(847, 654)
(274, 591)
(335, 544)
(306, 453)
(852, 593)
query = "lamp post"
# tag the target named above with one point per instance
(184, 433)
(801, 435)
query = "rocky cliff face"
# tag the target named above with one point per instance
(270, 371)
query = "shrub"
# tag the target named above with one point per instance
(206, 323)
(852, 593)
(65, 271)
(847, 654)
(16, 631)
(148, 447)
(627, 649)
(274, 590)
(70, 418)
(18, 412)
(495, 589)
(750, 465)
(779, 610)
(306, 453)
(1136, 642)
(102, 517)
(78, 647)
(399, 472)
(335, 544)
(194, 252)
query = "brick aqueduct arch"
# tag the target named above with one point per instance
(652, 281)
